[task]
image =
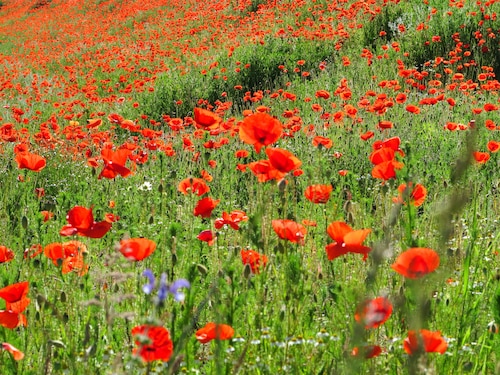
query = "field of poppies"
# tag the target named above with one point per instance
(249, 187)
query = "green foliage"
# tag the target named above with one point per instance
(258, 66)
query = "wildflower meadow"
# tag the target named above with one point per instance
(249, 187)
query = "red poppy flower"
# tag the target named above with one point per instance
(254, 259)
(137, 248)
(346, 240)
(33, 162)
(6, 254)
(206, 119)
(15, 297)
(493, 146)
(488, 107)
(115, 118)
(213, 331)
(386, 170)
(413, 109)
(233, 219)
(400, 98)
(367, 351)
(481, 157)
(193, 185)
(207, 236)
(322, 94)
(260, 129)
(282, 160)
(385, 163)
(47, 215)
(452, 126)
(427, 341)
(8, 132)
(392, 143)
(69, 255)
(373, 313)
(323, 141)
(33, 251)
(417, 195)
(11, 319)
(16, 353)
(318, 193)
(289, 230)
(382, 155)
(309, 223)
(416, 262)
(114, 163)
(81, 222)
(206, 176)
(205, 206)
(241, 154)
(153, 343)
(367, 135)
(264, 171)
(385, 125)
(93, 123)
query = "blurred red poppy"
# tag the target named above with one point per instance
(425, 340)
(213, 331)
(11, 319)
(367, 135)
(493, 146)
(367, 351)
(481, 157)
(322, 94)
(206, 119)
(322, 141)
(16, 353)
(33, 162)
(255, 260)
(318, 193)
(282, 160)
(33, 251)
(413, 109)
(205, 206)
(373, 313)
(194, 186)
(346, 240)
(416, 262)
(47, 215)
(384, 124)
(289, 230)
(16, 301)
(69, 255)
(392, 143)
(264, 171)
(385, 163)
(260, 130)
(137, 249)
(233, 219)
(6, 254)
(417, 194)
(81, 222)
(153, 343)
(207, 236)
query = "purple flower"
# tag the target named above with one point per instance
(148, 288)
(165, 289)
(175, 286)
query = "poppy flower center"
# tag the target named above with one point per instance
(418, 266)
